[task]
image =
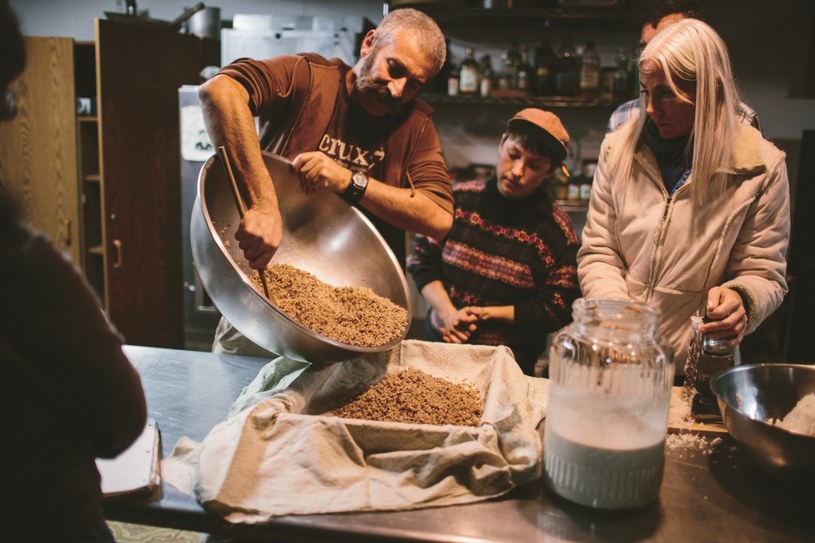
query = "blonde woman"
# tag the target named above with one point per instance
(689, 208)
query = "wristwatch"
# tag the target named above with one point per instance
(356, 188)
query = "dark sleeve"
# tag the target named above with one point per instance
(551, 308)
(98, 390)
(424, 265)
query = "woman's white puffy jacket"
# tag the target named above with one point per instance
(641, 244)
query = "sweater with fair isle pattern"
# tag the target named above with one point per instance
(505, 252)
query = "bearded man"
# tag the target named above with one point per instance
(358, 131)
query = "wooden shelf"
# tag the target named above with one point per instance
(623, 18)
(88, 118)
(537, 101)
(573, 206)
(92, 178)
(96, 250)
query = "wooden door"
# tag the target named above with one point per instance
(38, 148)
(139, 71)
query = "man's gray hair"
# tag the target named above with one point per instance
(425, 29)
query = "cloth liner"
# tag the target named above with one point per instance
(277, 455)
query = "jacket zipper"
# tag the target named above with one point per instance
(656, 262)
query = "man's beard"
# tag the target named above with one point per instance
(369, 88)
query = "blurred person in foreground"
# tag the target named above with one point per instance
(663, 14)
(506, 274)
(689, 208)
(68, 392)
(357, 131)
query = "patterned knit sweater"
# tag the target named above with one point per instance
(505, 252)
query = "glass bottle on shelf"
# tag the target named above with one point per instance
(544, 84)
(487, 76)
(560, 184)
(512, 61)
(439, 82)
(525, 73)
(587, 178)
(566, 73)
(453, 81)
(590, 72)
(468, 73)
(621, 87)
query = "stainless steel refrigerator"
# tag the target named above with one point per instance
(200, 314)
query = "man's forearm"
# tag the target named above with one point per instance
(406, 209)
(229, 122)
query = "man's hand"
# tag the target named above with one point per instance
(318, 171)
(726, 315)
(259, 235)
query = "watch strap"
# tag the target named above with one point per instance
(355, 190)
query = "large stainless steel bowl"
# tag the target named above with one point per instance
(322, 235)
(749, 396)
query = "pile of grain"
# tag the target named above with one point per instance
(415, 397)
(350, 315)
(801, 420)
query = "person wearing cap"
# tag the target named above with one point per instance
(506, 273)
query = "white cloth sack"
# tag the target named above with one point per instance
(276, 455)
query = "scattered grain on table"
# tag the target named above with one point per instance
(350, 315)
(415, 397)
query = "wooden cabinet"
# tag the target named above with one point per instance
(39, 148)
(106, 187)
(139, 72)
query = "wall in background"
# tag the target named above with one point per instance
(771, 44)
(75, 18)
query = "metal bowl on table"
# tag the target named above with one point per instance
(749, 397)
(322, 235)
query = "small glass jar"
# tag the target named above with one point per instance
(611, 376)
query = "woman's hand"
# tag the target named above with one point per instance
(726, 315)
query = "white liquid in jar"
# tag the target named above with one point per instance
(604, 450)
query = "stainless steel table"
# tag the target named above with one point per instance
(716, 497)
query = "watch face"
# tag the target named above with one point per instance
(360, 180)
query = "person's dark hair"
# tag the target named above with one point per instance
(531, 143)
(12, 48)
(690, 10)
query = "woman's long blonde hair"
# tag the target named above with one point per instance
(692, 55)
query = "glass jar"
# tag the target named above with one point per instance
(611, 376)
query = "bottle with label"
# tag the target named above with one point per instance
(452, 81)
(525, 73)
(590, 73)
(544, 84)
(487, 76)
(573, 194)
(468, 73)
(586, 179)
(439, 82)
(566, 73)
(560, 184)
